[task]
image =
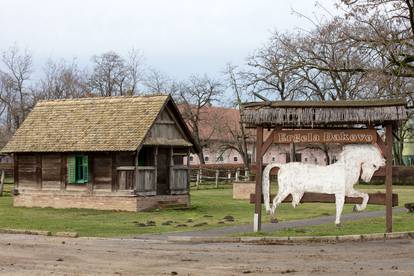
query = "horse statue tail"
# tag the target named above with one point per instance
(266, 184)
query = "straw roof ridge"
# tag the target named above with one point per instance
(328, 104)
(312, 114)
(97, 100)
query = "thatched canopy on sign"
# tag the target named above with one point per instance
(305, 114)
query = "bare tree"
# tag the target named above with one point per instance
(193, 95)
(270, 69)
(9, 110)
(114, 75)
(15, 94)
(240, 136)
(108, 75)
(135, 72)
(385, 30)
(62, 80)
(156, 82)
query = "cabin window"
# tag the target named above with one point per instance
(78, 169)
(146, 157)
(235, 158)
(179, 160)
(205, 158)
(220, 158)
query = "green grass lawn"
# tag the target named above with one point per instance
(401, 222)
(205, 203)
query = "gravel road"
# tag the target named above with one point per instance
(39, 255)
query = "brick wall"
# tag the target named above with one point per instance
(242, 190)
(99, 202)
(146, 203)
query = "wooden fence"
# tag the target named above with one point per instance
(216, 177)
(7, 168)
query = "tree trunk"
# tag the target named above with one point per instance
(201, 157)
(397, 152)
(292, 152)
(326, 152)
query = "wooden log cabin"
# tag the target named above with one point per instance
(114, 153)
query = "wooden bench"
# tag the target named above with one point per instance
(374, 198)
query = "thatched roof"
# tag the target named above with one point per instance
(91, 124)
(326, 113)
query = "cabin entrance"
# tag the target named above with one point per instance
(163, 171)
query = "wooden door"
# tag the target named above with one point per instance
(163, 169)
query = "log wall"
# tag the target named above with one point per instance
(27, 171)
(102, 171)
(108, 172)
(51, 171)
(48, 171)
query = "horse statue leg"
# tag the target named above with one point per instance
(365, 198)
(296, 197)
(339, 202)
(281, 195)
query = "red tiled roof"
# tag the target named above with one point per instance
(218, 123)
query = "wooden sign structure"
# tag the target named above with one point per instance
(338, 122)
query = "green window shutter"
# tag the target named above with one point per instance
(71, 169)
(85, 168)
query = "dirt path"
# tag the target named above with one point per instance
(38, 255)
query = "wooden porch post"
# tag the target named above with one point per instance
(388, 177)
(136, 173)
(15, 170)
(156, 167)
(257, 219)
(171, 176)
(188, 170)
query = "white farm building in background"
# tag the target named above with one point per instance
(216, 126)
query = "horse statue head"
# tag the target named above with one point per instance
(367, 156)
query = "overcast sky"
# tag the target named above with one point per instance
(178, 37)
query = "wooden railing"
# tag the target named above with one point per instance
(126, 178)
(7, 168)
(179, 182)
(147, 180)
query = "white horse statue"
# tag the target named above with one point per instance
(338, 179)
